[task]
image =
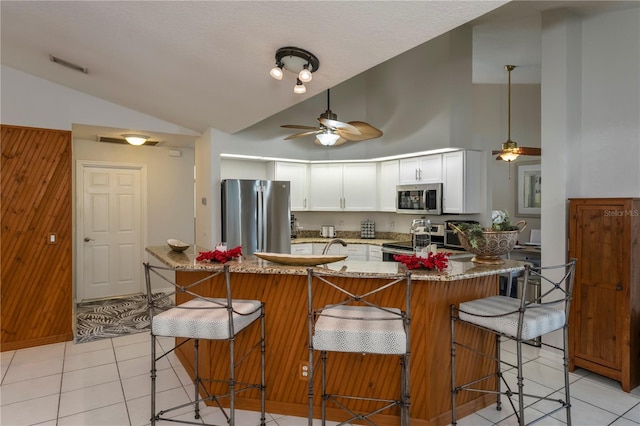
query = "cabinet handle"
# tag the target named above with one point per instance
(417, 178)
(419, 174)
(619, 287)
(304, 203)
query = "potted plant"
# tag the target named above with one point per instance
(489, 244)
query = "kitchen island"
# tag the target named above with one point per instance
(284, 290)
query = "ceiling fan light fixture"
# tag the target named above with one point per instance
(508, 156)
(135, 139)
(328, 138)
(299, 87)
(298, 61)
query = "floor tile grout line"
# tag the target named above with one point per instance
(124, 396)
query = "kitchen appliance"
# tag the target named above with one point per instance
(407, 248)
(419, 199)
(327, 231)
(451, 240)
(256, 214)
(367, 229)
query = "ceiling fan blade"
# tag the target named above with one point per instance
(296, 126)
(367, 131)
(338, 142)
(299, 135)
(335, 124)
(529, 151)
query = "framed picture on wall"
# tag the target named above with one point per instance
(529, 187)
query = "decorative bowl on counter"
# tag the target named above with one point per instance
(177, 245)
(494, 245)
(300, 259)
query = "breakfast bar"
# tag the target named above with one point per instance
(283, 289)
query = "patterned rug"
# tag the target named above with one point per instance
(105, 319)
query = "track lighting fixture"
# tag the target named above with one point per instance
(298, 61)
(299, 87)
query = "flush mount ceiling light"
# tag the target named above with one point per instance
(135, 139)
(298, 61)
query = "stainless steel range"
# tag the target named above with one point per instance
(407, 247)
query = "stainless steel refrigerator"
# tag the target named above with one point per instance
(256, 215)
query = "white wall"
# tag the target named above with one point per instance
(34, 102)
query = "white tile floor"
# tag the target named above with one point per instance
(107, 383)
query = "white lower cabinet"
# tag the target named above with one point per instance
(304, 248)
(375, 253)
(354, 251)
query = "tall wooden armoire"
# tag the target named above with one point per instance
(604, 330)
(36, 287)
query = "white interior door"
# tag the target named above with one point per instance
(109, 231)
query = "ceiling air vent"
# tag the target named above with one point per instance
(122, 141)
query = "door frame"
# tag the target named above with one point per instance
(79, 218)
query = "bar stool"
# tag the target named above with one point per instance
(519, 320)
(357, 323)
(205, 318)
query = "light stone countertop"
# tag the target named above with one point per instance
(372, 241)
(459, 269)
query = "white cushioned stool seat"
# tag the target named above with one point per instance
(360, 335)
(205, 322)
(538, 320)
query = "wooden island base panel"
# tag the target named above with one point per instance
(283, 289)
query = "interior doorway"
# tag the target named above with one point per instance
(109, 229)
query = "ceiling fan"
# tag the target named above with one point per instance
(332, 132)
(510, 150)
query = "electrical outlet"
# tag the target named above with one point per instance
(303, 370)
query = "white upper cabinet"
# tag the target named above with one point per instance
(462, 173)
(427, 169)
(343, 187)
(388, 179)
(298, 175)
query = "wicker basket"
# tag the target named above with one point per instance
(496, 244)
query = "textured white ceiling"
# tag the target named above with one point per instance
(205, 64)
(201, 64)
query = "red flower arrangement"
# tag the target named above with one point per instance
(221, 256)
(438, 261)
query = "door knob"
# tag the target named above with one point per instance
(87, 239)
(619, 287)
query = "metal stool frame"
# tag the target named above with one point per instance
(361, 299)
(561, 291)
(234, 386)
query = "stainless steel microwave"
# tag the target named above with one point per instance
(419, 199)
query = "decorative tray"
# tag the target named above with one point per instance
(300, 259)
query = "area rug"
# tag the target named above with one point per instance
(104, 319)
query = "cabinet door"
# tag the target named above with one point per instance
(375, 253)
(359, 187)
(388, 179)
(325, 192)
(461, 180)
(599, 298)
(355, 251)
(453, 182)
(296, 173)
(304, 248)
(409, 170)
(431, 169)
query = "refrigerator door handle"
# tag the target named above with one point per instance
(260, 219)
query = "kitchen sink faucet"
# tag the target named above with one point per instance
(333, 241)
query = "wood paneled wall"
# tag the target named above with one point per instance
(36, 201)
